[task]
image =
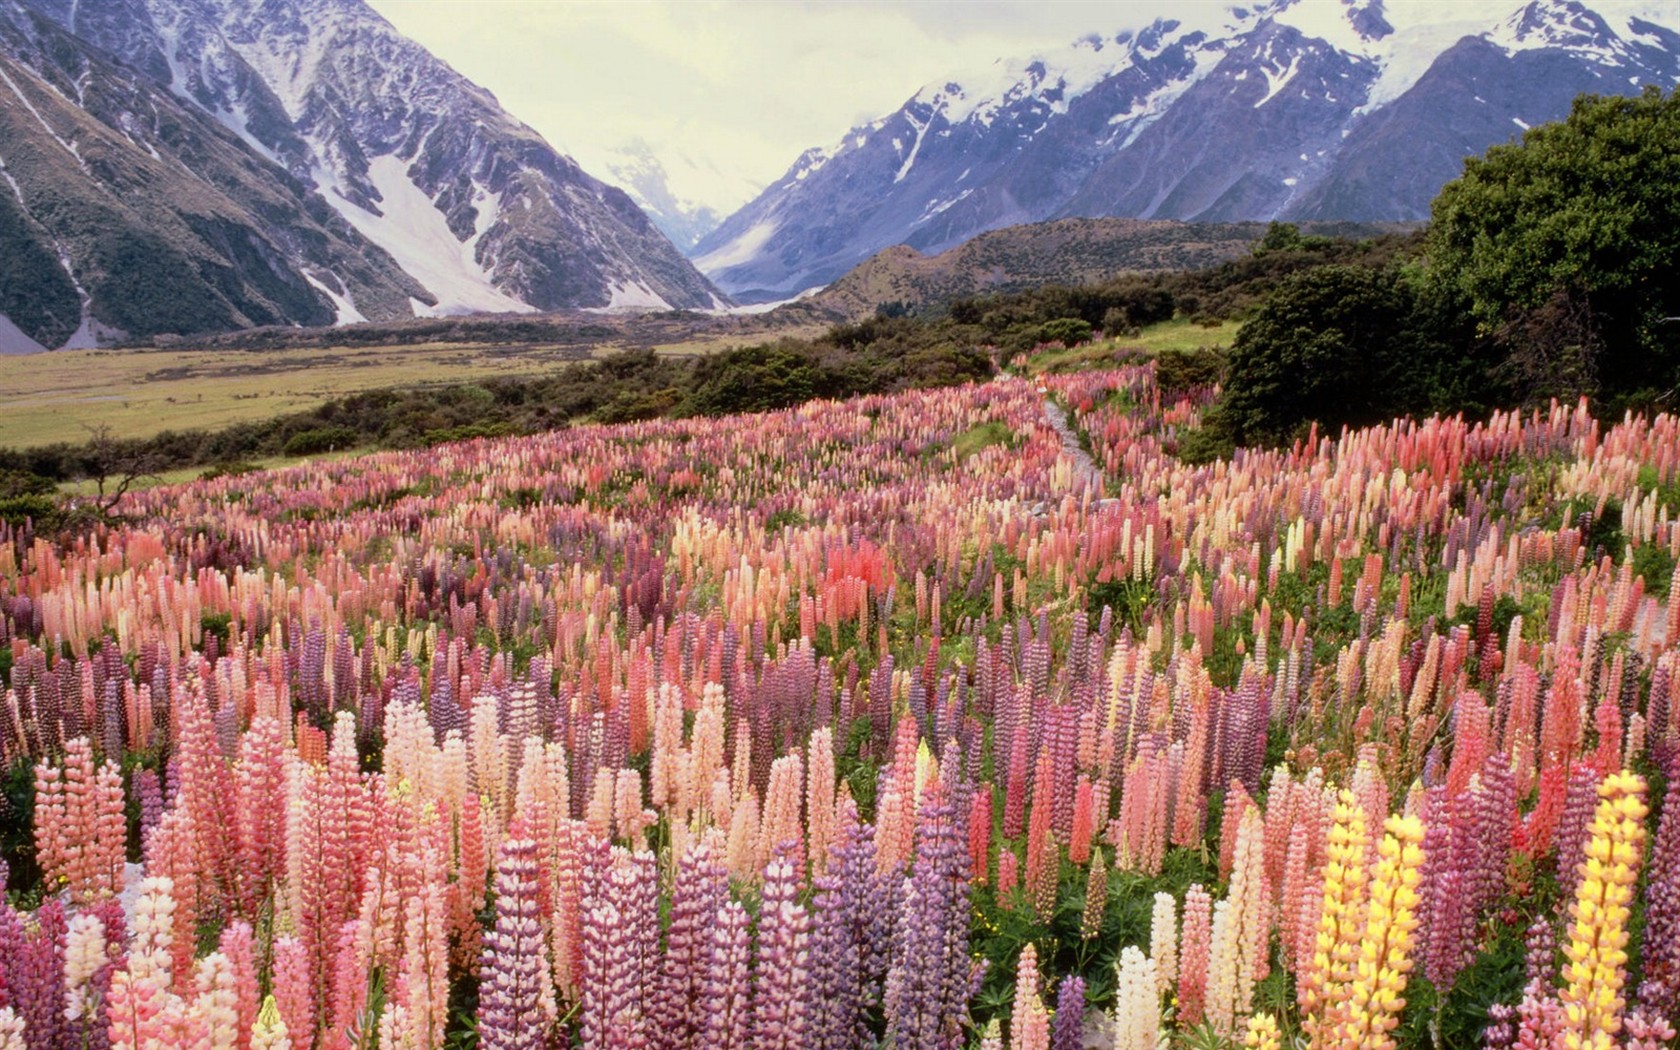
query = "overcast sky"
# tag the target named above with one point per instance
(728, 94)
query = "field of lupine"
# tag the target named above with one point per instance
(879, 723)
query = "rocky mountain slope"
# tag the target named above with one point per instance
(1297, 109)
(194, 165)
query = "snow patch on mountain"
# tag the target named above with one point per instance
(343, 305)
(410, 227)
(633, 295)
(738, 250)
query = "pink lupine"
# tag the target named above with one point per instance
(11, 1030)
(1029, 1024)
(294, 988)
(79, 824)
(1195, 946)
(238, 945)
(260, 812)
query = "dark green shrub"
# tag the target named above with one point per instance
(319, 440)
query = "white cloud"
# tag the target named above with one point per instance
(739, 88)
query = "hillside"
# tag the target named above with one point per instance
(1066, 252)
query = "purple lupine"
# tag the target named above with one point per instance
(855, 924)
(781, 985)
(515, 1006)
(1068, 1030)
(932, 977)
(835, 1007)
(728, 1011)
(702, 886)
(1659, 990)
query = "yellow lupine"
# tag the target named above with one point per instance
(1375, 997)
(1595, 966)
(269, 1031)
(1341, 919)
(1262, 1033)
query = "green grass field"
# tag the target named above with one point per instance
(46, 398)
(55, 397)
(1177, 334)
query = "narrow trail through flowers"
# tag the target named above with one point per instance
(1085, 468)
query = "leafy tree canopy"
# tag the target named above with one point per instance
(1332, 344)
(1579, 221)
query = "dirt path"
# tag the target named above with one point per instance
(1086, 473)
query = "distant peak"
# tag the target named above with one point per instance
(1555, 23)
(1368, 18)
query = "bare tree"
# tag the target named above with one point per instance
(114, 466)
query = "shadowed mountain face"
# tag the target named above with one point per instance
(193, 165)
(1292, 109)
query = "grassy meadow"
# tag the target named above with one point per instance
(140, 392)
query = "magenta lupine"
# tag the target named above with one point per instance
(1580, 801)
(1540, 951)
(1659, 990)
(37, 981)
(781, 984)
(701, 887)
(516, 997)
(620, 943)
(727, 1005)
(932, 977)
(1501, 1032)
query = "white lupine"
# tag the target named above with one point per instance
(1137, 1002)
(84, 954)
(1163, 941)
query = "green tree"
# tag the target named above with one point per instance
(1563, 247)
(1335, 345)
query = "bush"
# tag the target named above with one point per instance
(1069, 331)
(1177, 371)
(321, 439)
(1335, 345)
(755, 379)
(36, 507)
(15, 483)
(1564, 247)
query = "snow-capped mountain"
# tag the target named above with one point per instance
(290, 162)
(670, 183)
(1297, 109)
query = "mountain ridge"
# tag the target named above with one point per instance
(1288, 109)
(303, 163)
